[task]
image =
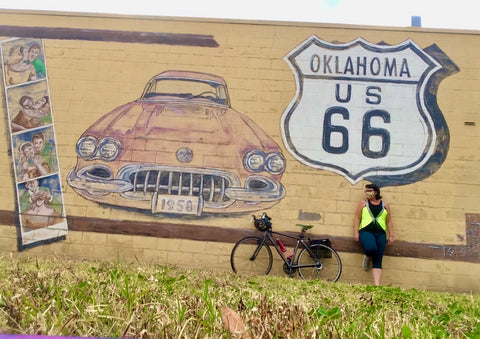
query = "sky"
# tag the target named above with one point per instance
(459, 14)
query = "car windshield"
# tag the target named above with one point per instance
(186, 88)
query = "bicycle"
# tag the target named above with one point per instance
(316, 258)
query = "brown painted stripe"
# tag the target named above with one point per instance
(8, 218)
(466, 253)
(108, 35)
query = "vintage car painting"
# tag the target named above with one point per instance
(179, 149)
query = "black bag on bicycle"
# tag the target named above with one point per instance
(264, 223)
(321, 252)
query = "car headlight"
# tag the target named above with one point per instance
(87, 147)
(254, 161)
(109, 149)
(275, 163)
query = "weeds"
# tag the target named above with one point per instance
(103, 299)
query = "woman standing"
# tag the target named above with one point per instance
(373, 220)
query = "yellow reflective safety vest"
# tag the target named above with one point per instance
(368, 218)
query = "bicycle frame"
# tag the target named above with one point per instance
(291, 264)
(311, 259)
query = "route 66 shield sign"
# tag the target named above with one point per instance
(367, 111)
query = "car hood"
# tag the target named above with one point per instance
(172, 121)
(190, 122)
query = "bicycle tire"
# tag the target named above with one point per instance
(326, 263)
(241, 257)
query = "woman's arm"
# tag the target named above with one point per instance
(389, 225)
(42, 169)
(356, 221)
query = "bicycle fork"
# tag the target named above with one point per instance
(259, 247)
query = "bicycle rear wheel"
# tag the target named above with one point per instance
(321, 262)
(248, 258)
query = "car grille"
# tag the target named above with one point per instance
(210, 187)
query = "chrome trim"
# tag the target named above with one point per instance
(106, 141)
(184, 154)
(96, 186)
(272, 191)
(215, 188)
(208, 184)
(98, 145)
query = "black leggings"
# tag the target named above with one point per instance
(374, 244)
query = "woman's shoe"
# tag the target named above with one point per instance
(367, 261)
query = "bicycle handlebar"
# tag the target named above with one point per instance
(264, 224)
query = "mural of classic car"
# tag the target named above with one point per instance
(180, 149)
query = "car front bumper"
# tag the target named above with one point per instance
(207, 188)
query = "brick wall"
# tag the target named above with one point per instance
(437, 247)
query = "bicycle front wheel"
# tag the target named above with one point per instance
(321, 262)
(250, 256)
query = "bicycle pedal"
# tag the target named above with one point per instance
(288, 270)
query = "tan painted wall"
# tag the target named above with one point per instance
(89, 78)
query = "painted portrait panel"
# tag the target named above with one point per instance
(40, 203)
(23, 61)
(34, 154)
(41, 211)
(29, 106)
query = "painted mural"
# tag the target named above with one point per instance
(361, 110)
(367, 111)
(35, 162)
(179, 149)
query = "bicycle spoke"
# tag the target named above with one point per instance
(322, 263)
(244, 261)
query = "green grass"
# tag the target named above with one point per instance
(104, 299)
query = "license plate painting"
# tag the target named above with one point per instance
(176, 204)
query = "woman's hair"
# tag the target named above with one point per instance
(376, 189)
(14, 55)
(24, 144)
(34, 46)
(23, 99)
